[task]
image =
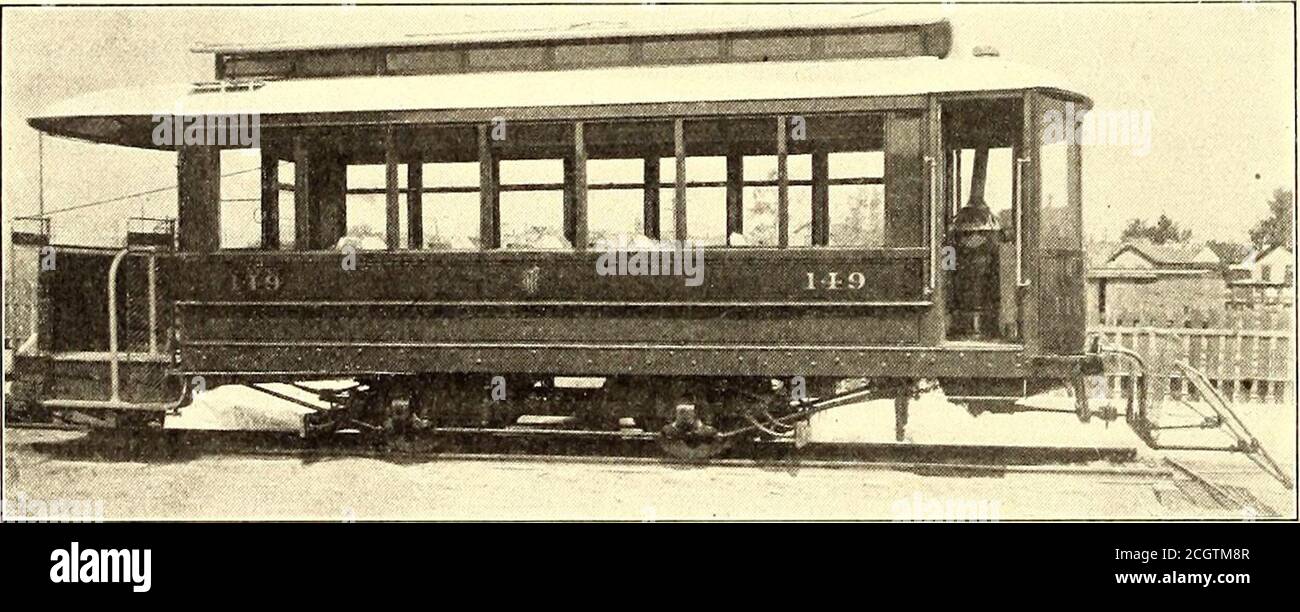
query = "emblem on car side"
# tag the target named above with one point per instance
(530, 280)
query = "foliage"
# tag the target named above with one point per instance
(1277, 228)
(1162, 231)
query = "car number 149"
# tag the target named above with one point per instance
(833, 281)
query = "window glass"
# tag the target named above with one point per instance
(761, 200)
(367, 214)
(255, 67)
(706, 207)
(1059, 218)
(367, 221)
(241, 200)
(681, 49)
(857, 211)
(452, 174)
(506, 57)
(877, 44)
(451, 220)
(856, 165)
(772, 47)
(615, 216)
(798, 168)
(336, 64)
(763, 167)
(801, 217)
(423, 62)
(857, 216)
(1058, 203)
(533, 220)
(373, 176)
(592, 55)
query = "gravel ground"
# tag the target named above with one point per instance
(45, 465)
(49, 466)
(223, 487)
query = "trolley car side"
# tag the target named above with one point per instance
(427, 328)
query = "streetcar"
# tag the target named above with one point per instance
(843, 211)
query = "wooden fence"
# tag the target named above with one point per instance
(1274, 318)
(1248, 356)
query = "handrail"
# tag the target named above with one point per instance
(1020, 223)
(114, 357)
(932, 165)
(153, 305)
(1136, 414)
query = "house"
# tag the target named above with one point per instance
(1262, 279)
(1141, 278)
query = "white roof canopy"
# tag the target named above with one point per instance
(125, 116)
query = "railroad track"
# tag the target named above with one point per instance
(535, 444)
(613, 448)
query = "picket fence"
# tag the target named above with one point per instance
(1248, 355)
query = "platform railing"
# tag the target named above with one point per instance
(115, 355)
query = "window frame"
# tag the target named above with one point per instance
(556, 144)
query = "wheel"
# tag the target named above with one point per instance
(689, 438)
(692, 449)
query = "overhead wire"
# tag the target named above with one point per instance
(137, 194)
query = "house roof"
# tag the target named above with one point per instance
(1167, 254)
(1169, 259)
(1250, 258)
(1098, 252)
(1264, 253)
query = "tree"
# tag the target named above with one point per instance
(362, 230)
(1228, 252)
(1164, 230)
(1277, 227)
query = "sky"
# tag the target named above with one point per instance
(1215, 82)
